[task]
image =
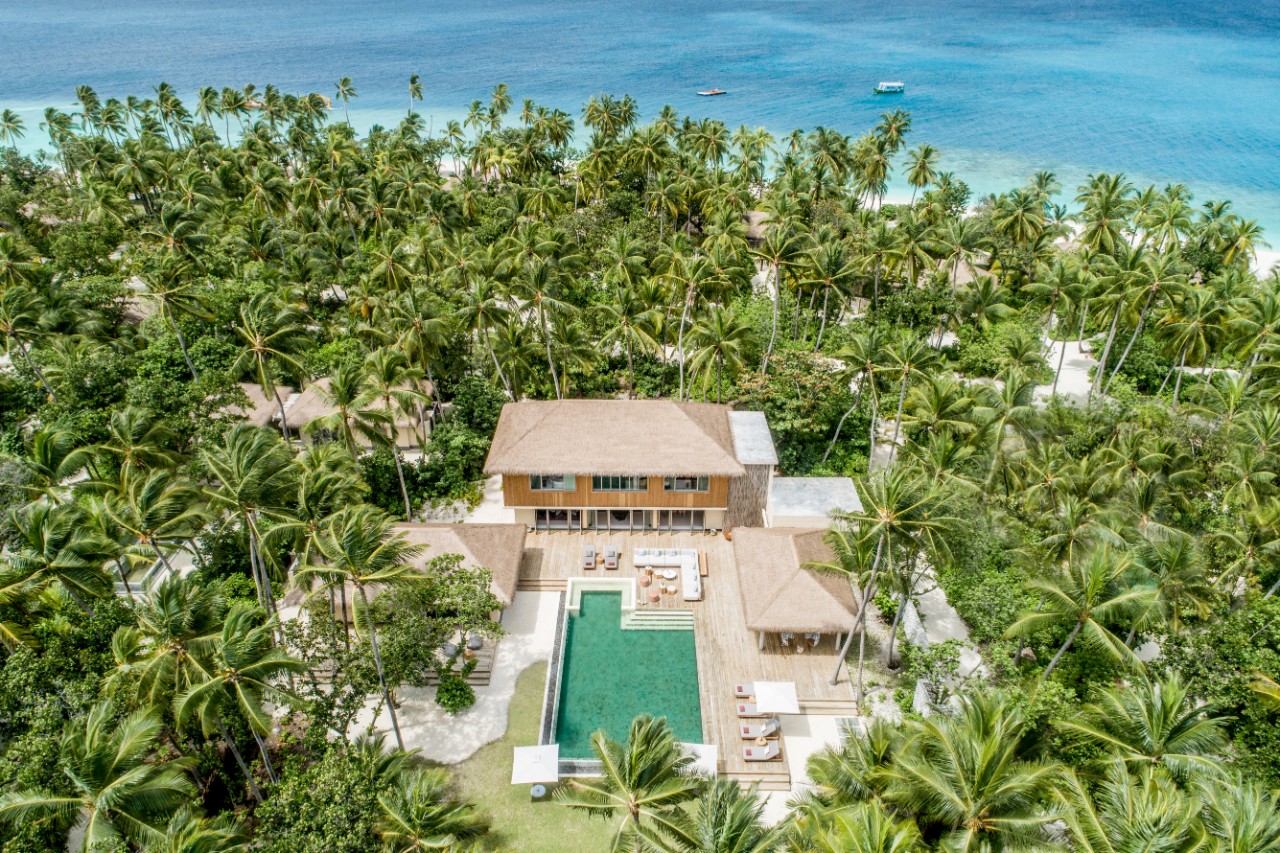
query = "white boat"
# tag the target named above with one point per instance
(709, 92)
(891, 87)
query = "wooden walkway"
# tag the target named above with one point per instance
(727, 652)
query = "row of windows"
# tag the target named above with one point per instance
(568, 483)
(620, 519)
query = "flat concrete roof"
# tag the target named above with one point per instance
(752, 441)
(790, 497)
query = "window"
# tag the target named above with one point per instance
(682, 519)
(619, 484)
(686, 484)
(552, 482)
(558, 519)
(619, 519)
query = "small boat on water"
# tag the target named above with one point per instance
(892, 87)
(709, 92)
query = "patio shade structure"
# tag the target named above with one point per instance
(777, 697)
(536, 764)
(705, 758)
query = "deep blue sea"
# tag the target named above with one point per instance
(1164, 90)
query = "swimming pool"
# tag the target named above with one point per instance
(611, 675)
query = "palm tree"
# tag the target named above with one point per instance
(390, 381)
(136, 439)
(855, 771)
(921, 168)
(1182, 585)
(720, 338)
(1153, 723)
(238, 671)
(904, 513)
(20, 325)
(727, 819)
(907, 355)
(1087, 595)
(360, 546)
(161, 513)
(633, 323)
(780, 251)
(1244, 817)
(11, 126)
(160, 657)
(53, 543)
(1128, 812)
(966, 778)
(253, 477)
(864, 828)
(270, 333)
(352, 413)
(856, 561)
(415, 90)
(644, 785)
(345, 91)
(418, 815)
(187, 832)
(116, 791)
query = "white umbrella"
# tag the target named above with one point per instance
(534, 764)
(777, 697)
(705, 758)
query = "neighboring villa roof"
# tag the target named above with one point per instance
(752, 441)
(312, 403)
(262, 409)
(778, 594)
(496, 547)
(617, 437)
(811, 497)
(756, 221)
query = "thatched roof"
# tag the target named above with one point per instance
(314, 403)
(757, 220)
(496, 547)
(618, 437)
(778, 594)
(262, 407)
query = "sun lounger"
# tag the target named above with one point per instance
(744, 689)
(768, 752)
(588, 556)
(764, 728)
(611, 557)
(747, 709)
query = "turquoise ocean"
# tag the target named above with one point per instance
(1163, 90)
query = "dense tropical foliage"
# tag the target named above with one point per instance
(1111, 536)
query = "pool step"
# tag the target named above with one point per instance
(658, 620)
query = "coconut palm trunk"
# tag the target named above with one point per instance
(546, 338)
(1142, 320)
(1106, 352)
(182, 345)
(26, 356)
(1071, 638)
(777, 299)
(244, 767)
(377, 661)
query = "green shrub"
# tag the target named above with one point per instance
(454, 694)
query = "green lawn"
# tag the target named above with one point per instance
(518, 823)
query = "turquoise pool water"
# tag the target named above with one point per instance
(611, 675)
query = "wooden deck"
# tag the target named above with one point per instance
(727, 652)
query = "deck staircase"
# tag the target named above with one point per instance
(538, 583)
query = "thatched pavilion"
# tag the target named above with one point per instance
(781, 596)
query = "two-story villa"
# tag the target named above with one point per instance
(632, 464)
